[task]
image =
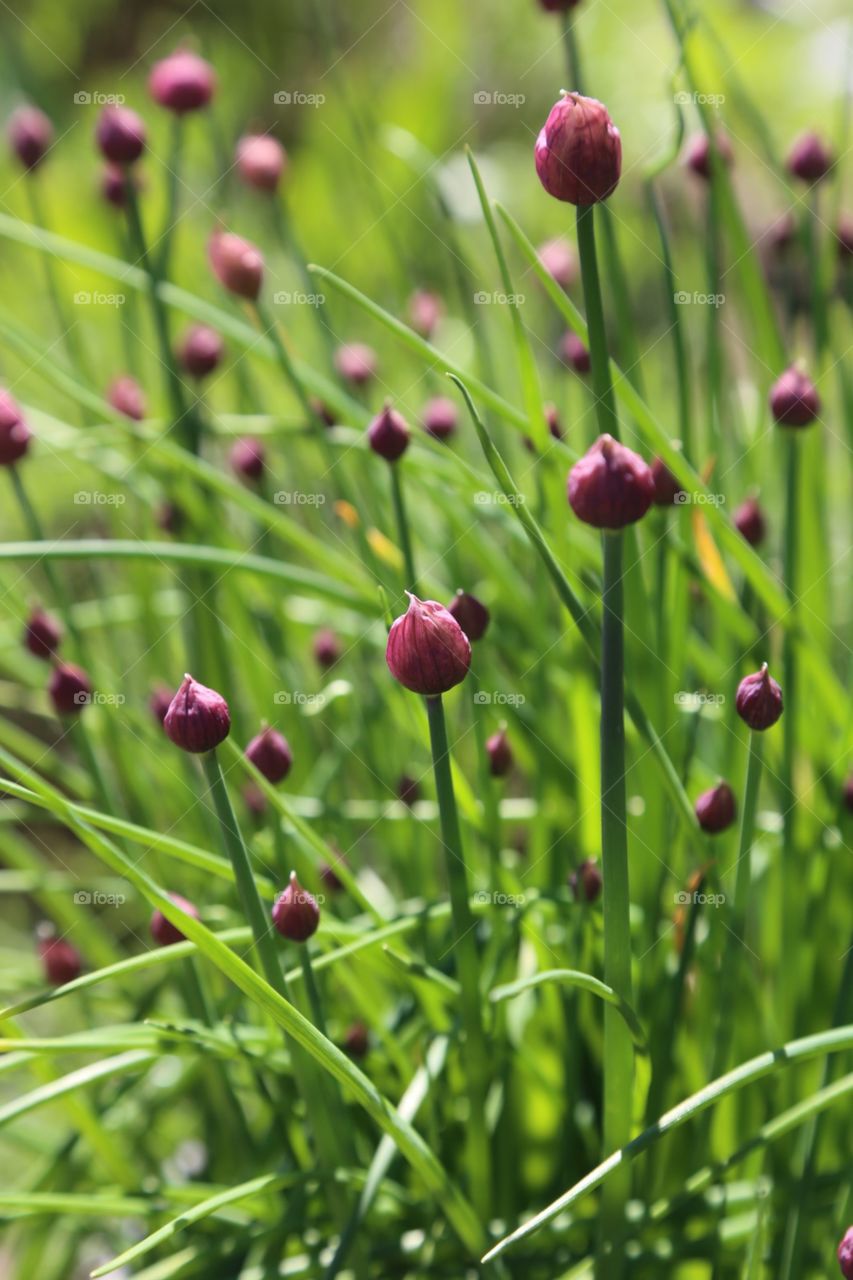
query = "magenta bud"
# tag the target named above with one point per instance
(471, 614)
(428, 652)
(42, 634)
(574, 353)
(30, 135)
(715, 809)
(357, 1040)
(794, 401)
(14, 432)
(441, 417)
(127, 397)
(552, 418)
(425, 309)
(159, 702)
(200, 351)
(198, 718)
(270, 753)
(809, 158)
(610, 486)
(759, 700)
(182, 82)
(236, 263)
(845, 1254)
(120, 134)
(667, 488)
(261, 161)
(697, 154)
(164, 933)
(579, 151)
(586, 881)
(500, 754)
(296, 914)
(248, 458)
(750, 523)
(560, 261)
(115, 182)
(356, 363)
(69, 689)
(60, 960)
(408, 790)
(326, 648)
(388, 434)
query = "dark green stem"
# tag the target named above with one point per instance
(403, 528)
(602, 385)
(172, 198)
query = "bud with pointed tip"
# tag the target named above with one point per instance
(845, 1254)
(667, 487)
(42, 634)
(715, 809)
(809, 158)
(126, 396)
(14, 432)
(270, 753)
(560, 261)
(610, 486)
(295, 914)
(574, 353)
(60, 960)
(356, 363)
(326, 648)
(30, 135)
(794, 401)
(697, 155)
(182, 82)
(120, 134)
(759, 700)
(236, 263)
(164, 933)
(200, 351)
(388, 434)
(198, 718)
(471, 614)
(586, 881)
(248, 458)
(261, 160)
(441, 417)
(750, 523)
(425, 310)
(427, 651)
(579, 151)
(70, 689)
(500, 754)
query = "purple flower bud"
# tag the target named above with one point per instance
(794, 401)
(69, 689)
(781, 234)
(552, 418)
(586, 881)
(236, 263)
(328, 873)
(845, 1254)
(164, 933)
(357, 1040)
(248, 458)
(425, 309)
(356, 363)
(30, 135)
(574, 353)
(326, 648)
(611, 486)
(254, 799)
(115, 182)
(715, 809)
(809, 158)
(697, 154)
(560, 261)
(667, 487)
(388, 434)
(428, 652)
(198, 718)
(441, 417)
(270, 753)
(127, 397)
(500, 754)
(579, 151)
(120, 134)
(471, 614)
(182, 82)
(847, 793)
(749, 522)
(759, 700)
(408, 790)
(60, 960)
(14, 432)
(200, 351)
(261, 160)
(844, 236)
(295, 914)
(42, 634)
(557, 6)
(160, 701)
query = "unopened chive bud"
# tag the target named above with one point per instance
(499, 753)
(120, 134)
(388, 434)
(70, 689)
(200, 351)
(270, 753)
(794, 401)
(126, 396)
(261, 161)
(425, 309)
(667, 488)
(356, 363)
(715, 809)
(30, 135)
(14, 432)
(182, 82)
(586, 881)
(357, 1040)
(845, 1254)
(697, 154)
(809, 159)
(440, 417)
(471, 614)
(296, 914)
(248, 458)
(408, 790)
(237, 264)
(750, 523)
(610, 486)
(198, 718)
(159, 702)
(42, 634)
(560, 261)
(759, 700)
(115, 183)
(574, 353)
(327, 649)
(164, 933)
(579, 151)
(427, 651)
(60, 960)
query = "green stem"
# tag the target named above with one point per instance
(172, 200)
(403, 528)
(790, 678)
(602, 386)
(467, 961)
(679, 342)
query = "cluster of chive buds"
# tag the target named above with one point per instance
(69, 687)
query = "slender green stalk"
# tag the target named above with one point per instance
(790, 668)
(403, 528)
(601, 382)
(467, 962)
(679, 341)
(172, 195)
